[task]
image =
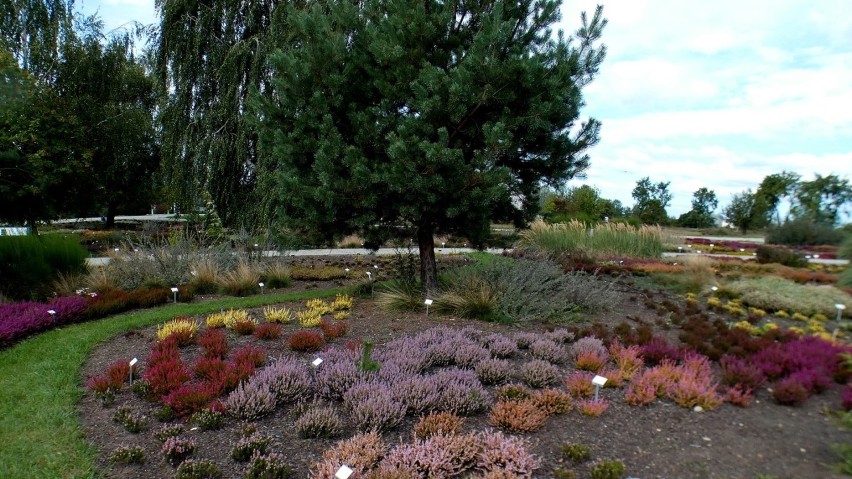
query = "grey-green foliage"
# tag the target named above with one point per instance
(407, 118)
(524, 290)
(164, 264)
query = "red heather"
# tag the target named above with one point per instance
(334, 329)
(190, 398)
(209, 369)
(166, 376)
(306, 341)
(249, 354)
(738, 371)
(166, 350)
(214, 343)
(268, 331)
(100, 384)
(119, 372)
(790, 391)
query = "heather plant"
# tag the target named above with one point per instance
(268, 466)
(183, 330)
(307, 341)
(499, 346)
(200, 469)
(579, 384)
(318, 422)
(512, 392)
(436, 456)
(334, 329)
(559, 336)
(208, 419)
(506, 453)
(772, 293)
(517, 416)
(250, 401)
(576, 452)
(103, 387)
(739, 396)
(467, 354)
(374, 406)
(244, 327)
(214, 343)
(165, 376)
(277, 315)
(493, 371)
(249, 445)
(134, 422)
(589, 361)
(287, 379)
(128, 455)
(419, 394)
(460, 392)
(592, 407)
(268, 331)
(588, 344)
(549, 351)
(524, 339)
(337, 373)
(737, 371)
(657, 351)
(627, 358)
(361, 453)
(437, 423)
(190, 398)
(249, 354)
(167, 431)
(552, 401)
(177, 449)
(538, 373)
(607, 469)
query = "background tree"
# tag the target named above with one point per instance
(822, 199)
(704, 203)
(583, 203)
(775, 188)
(746, 211)
(33, 32)
(113, 98)
(651, 201)
(42, 161)
(210, 55)
(411, 118)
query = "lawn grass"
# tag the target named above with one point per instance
(40, 385)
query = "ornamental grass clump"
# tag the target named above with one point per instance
(242, 281)
(538, 373)
(517, 416)
(277, 315)
(549, 351)
(182, 329)
(437, 423)
(602, 240)
(319, 422)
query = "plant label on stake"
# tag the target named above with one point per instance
(175, 292)
(51, 312)
(428, 303)
(132, 363)
(316, 362)
(343, 473)
(598, 381)
(261, 287)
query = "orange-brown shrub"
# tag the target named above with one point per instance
(517, 416)
(437, 423)
(552, 401)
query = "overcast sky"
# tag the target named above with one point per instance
(702, 94)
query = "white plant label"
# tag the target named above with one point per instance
(840, 306)
(599, 380)
(51, 312)
(133, 362)
(317, 361)
(261, 284)
(428, 302)
(174, 290)
(343, 473)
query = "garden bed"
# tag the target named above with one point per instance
(660, 440)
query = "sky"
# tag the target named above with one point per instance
(699, 94)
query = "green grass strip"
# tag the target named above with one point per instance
(40, 385)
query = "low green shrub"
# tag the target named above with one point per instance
(30, 264)
(774, 294)
(128, 455)
(783, 256)
(804, 231)
(607, 469)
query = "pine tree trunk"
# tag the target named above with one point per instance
(428, 268)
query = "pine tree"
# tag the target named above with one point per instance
(411, 118)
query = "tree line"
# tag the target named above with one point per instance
(821, 201)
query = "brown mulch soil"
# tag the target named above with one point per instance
(662, 440)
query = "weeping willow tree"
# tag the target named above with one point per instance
(33, 31)
(210, 56)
